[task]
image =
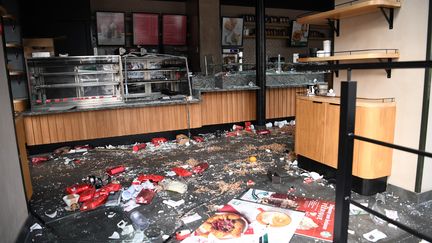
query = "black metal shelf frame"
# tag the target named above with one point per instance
(335, 23)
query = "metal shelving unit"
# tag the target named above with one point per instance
(156, 75)
(83, 81)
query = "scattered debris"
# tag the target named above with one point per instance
(51, 215)
(351, 232)
(374, 236)
(111, 214)
(35, 226)
(158, 141)
(183, 234)
(138, 147)
(172, 203)
(39, 160)
(268, 125)
(61, 150)
(274, 147)
(263, 132)
(145, 196)
(127, 230)
(231, 188)
(250, 183)
(181, 172)
(172, 185)
(115, 236)
(182, 139)
(200, 168)
(252, 159)
(391, 214)
(130, 205)
(354, 210)
(115, 170)
(140, 222)
(191, 218)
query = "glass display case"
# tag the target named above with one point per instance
(156, 76)
(79, 81)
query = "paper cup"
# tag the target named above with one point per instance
(71, 199)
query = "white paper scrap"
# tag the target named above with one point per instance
(127, 230)
(374, 236)
(51, 215)
(173, 203)
(35, 226)
(115, 236)
(391, 214)
(190, 219)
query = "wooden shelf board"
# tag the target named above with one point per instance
(13, 45)
(16, 73)
(8, 17)
(349, 11)
(362, 56)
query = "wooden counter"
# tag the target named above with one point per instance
(215, 108)
(317, 133)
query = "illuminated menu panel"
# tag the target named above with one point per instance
(174, 30)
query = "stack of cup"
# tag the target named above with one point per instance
(327, 47)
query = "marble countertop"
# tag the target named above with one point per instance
(122, 105)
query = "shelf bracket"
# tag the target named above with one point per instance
(334, 25)
(388, 17)
(387, 70)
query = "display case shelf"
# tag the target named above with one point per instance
(75, 81)
(78, 73)
(89, 84)
(155, 74)
(355, 9)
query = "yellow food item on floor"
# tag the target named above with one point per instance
(252, 159)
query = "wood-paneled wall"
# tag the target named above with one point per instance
(281, 102)
(85, 125)
(227, 107)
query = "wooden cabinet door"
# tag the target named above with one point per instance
(331, 135)
(331, 141)
(374, 161)
(310, 119)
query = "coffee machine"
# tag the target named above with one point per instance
(232, 59)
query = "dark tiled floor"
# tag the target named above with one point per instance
(225, 179)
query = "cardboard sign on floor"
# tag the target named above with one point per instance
(319, 215)
(241, 221)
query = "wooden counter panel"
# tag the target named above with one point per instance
(281, 102)
(85, 125)
(228, 107)
(371, 155)
(20, 134)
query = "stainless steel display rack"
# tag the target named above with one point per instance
(156, 76)
(58, 83)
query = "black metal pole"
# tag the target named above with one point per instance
(260, 62)
(345, 158)
(425, 105)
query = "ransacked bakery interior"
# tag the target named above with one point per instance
(216, 121)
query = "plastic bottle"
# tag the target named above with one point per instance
(139, 221)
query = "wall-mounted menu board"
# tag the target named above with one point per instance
(174, 30)
(145, 29)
